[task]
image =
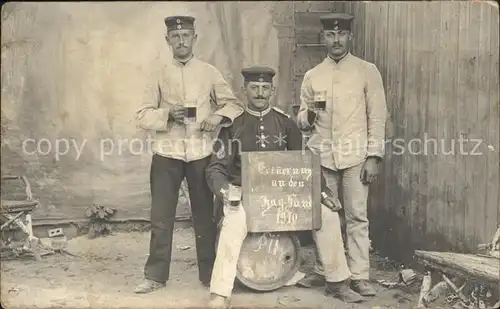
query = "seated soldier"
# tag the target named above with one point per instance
(255, 130)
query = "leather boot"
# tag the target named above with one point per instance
(311, 280)
(148, 286)
(342, 291)
(363, 287)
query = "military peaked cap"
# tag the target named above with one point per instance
(336, 21)
(258, 74)
(179, 22)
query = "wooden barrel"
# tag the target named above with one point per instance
(268, 260)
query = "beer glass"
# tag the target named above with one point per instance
(190, 112)
(320, 101)
(234, 195)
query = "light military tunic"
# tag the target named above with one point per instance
(195, 83)
(352, 126)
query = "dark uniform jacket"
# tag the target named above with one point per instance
(269, 130)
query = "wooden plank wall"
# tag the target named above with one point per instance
(309, 49)
(283, 21)
(439, 62)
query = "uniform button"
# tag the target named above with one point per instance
(262, 127)
(260, 119)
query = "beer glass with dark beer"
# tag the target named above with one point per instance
(320, 101)
(234, 195)
(190, 112)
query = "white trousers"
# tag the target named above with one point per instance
(355, 207)
(234, 231)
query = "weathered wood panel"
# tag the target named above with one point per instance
(483, 17)
(308, 38)
(493, 178)
(313, 6)
(440, 172)
(306, 57)
(308, 21)
(283, 20)
(439, 186)
(442, 94)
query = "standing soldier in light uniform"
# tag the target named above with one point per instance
(186, 100)
(265, 128)
(348, 132)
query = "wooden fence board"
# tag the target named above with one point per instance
(481, 12)
(307, 57)
(493, 143)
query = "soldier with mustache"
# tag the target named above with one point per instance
(263, 127)
(186, 101)
(343, 110)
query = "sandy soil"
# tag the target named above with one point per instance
(107, 269)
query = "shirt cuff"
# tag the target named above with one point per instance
(229, 113)
(226, 121)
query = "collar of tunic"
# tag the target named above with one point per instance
(345, 59)
(183, 64)
(260, 113)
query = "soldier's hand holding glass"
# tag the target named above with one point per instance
(231, 195)
(177, 113)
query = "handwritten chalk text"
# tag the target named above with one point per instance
(290, 201)
(292, 183)
(286, 217)
(288, 171)
(270, 242)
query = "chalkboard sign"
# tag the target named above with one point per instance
(281, 191)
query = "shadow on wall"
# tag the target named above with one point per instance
(72, 78)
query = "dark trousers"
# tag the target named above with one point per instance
(166, 177)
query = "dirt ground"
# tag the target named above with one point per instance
(107, 269)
